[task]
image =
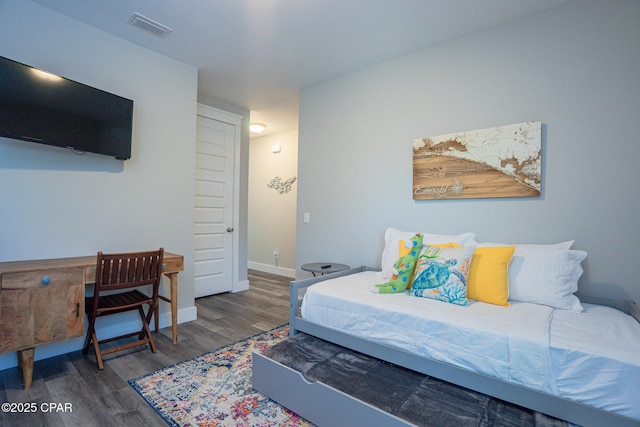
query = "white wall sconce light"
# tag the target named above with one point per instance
(276, 148)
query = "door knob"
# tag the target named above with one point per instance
(229, 229)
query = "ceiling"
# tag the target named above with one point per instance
(258, 54)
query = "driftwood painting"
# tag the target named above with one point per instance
(503, 161)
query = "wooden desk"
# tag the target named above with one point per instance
(42, 301)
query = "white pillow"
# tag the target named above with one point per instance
(546, 274)
(392, 237)
(562, 245)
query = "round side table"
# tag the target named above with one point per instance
(324, 267)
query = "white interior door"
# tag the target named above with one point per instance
(213, 235)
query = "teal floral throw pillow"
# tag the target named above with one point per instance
(442, 274)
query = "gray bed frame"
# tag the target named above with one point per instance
(308, 405)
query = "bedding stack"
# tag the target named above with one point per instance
(455, 268)
(508, 311)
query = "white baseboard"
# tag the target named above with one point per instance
(280, 271)
(184, 315)
(111, 326)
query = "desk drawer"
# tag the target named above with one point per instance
(37, 278)
(173, 264)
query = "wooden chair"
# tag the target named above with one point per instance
(118, 272)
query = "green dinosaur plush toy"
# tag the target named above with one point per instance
(402, 269)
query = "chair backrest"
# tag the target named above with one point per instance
(128, 270)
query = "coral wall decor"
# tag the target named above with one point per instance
(503, 161)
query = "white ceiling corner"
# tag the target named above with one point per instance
(261, 53)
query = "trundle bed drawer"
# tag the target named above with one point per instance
(310, 400)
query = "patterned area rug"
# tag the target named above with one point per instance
(215, 389)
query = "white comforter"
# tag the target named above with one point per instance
(529, 344)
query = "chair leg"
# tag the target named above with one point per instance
(144, 335)
(145, 328)
(93, 338)
(96, 348)
(90, 332)
(151, 312)
(156, 321)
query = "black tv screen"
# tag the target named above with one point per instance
(52, 110)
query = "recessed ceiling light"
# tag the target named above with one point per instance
(257, 127)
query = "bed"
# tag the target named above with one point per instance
(534, 352)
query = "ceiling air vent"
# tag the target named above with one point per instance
(149, 25)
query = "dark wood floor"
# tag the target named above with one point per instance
(104, 398)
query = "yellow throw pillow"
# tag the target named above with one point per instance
(404, 250)
(445, 245)
(489, 275)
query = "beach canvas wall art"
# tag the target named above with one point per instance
(502, 161)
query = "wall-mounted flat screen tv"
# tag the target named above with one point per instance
(48, 109)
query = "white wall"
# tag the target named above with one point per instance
(57, 204)
(574, 67)
(272, 216)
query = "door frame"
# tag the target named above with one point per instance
(236, 121)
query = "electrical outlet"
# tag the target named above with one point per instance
(275, 253)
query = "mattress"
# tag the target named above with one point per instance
(592, 357)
